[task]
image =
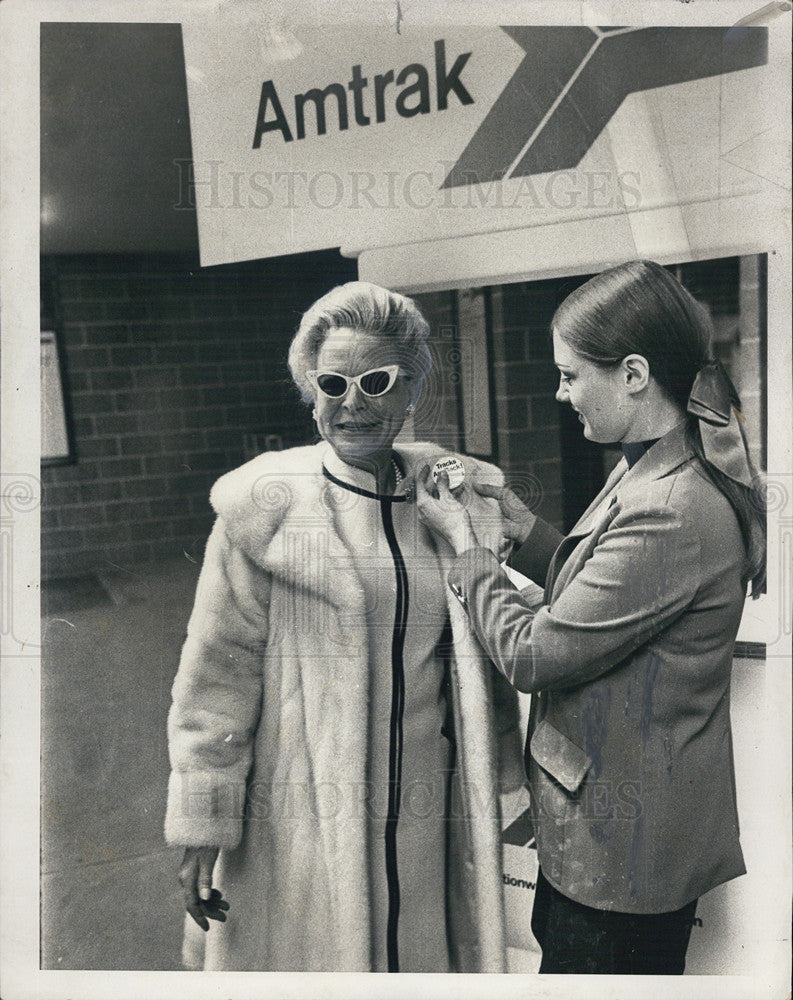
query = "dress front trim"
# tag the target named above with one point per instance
(395, 751)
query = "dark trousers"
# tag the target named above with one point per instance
(579, 939)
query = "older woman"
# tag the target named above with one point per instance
(321, 709)
(629, 751)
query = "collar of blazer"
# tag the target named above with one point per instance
(283, 513)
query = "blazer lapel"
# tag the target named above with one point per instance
(584, 524)
(583, 527)
(567, 566)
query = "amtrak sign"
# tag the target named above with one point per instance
(364, 137)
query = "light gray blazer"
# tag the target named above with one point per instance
(629, 750)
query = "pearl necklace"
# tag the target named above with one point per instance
(397, 474)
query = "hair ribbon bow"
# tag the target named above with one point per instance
(716, 404)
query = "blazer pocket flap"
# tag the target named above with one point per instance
(559, 756)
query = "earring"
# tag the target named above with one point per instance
(410, 408)
(314, 413)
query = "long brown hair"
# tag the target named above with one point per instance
(641, 308)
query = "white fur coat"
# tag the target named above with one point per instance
(268, 732)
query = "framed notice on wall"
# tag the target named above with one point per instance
(55, 444)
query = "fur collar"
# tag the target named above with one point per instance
(280, 510)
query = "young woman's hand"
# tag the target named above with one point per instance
(518, 519)
(195, 877)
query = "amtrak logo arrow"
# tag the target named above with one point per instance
(572, 80)
(520, 832)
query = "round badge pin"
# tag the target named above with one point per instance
(453, 468)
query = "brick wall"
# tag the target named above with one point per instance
(437, 415)
(168, 367)
(524, 381)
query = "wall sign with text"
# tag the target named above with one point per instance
(308, 136)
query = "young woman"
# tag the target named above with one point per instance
(629, 751)
(316, 765)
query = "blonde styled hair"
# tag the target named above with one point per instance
(368, 308)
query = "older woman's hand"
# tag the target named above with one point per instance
(442, 513)
(195, 877)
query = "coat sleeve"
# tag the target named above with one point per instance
(643, 573)
(534, 556)
(217, 699)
